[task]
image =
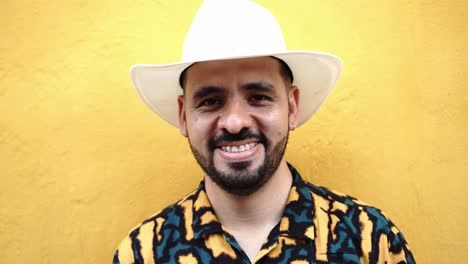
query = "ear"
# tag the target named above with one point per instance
(182, 116)
(293, 98)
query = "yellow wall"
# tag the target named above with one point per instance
(82, 159)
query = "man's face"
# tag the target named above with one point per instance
(236, 115)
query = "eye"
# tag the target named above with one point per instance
(210, 103)
(259, 98)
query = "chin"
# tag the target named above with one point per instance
(238, 168)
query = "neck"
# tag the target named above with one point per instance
(262, 209)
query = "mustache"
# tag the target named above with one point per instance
(244, 134)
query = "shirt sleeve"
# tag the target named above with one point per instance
(395, 248)
(124, 253)
(387, 245)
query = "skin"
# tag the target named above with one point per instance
(231, 97)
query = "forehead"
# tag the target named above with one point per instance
(236, 71)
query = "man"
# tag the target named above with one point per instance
(242, 92)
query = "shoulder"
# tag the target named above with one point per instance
(345, 206)
(347, 219)
(137, 246)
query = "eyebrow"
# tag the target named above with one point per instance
(258, 86)
(204, 91)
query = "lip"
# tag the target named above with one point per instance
(238, 156)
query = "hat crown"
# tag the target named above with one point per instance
(232, 28)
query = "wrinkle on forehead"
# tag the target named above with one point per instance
(233, 72)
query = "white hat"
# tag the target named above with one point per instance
(230, 29)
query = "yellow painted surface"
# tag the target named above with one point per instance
(82, 159)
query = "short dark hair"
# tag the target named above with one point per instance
(285, 72)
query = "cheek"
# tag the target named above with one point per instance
(198, 128)
(197, 122)
(275, 117)
(275, 122)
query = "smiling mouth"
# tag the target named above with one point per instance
(240, 148)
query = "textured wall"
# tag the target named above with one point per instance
(82, 159)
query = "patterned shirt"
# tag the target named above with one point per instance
(317, 226)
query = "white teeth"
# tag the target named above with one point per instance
(240, 148)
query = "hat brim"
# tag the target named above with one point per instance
(315, 74)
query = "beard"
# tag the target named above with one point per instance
(240, 179)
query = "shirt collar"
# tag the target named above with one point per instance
(297, 220)
(205, 222)
(298, 216)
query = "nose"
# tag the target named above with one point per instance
(235, 117)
